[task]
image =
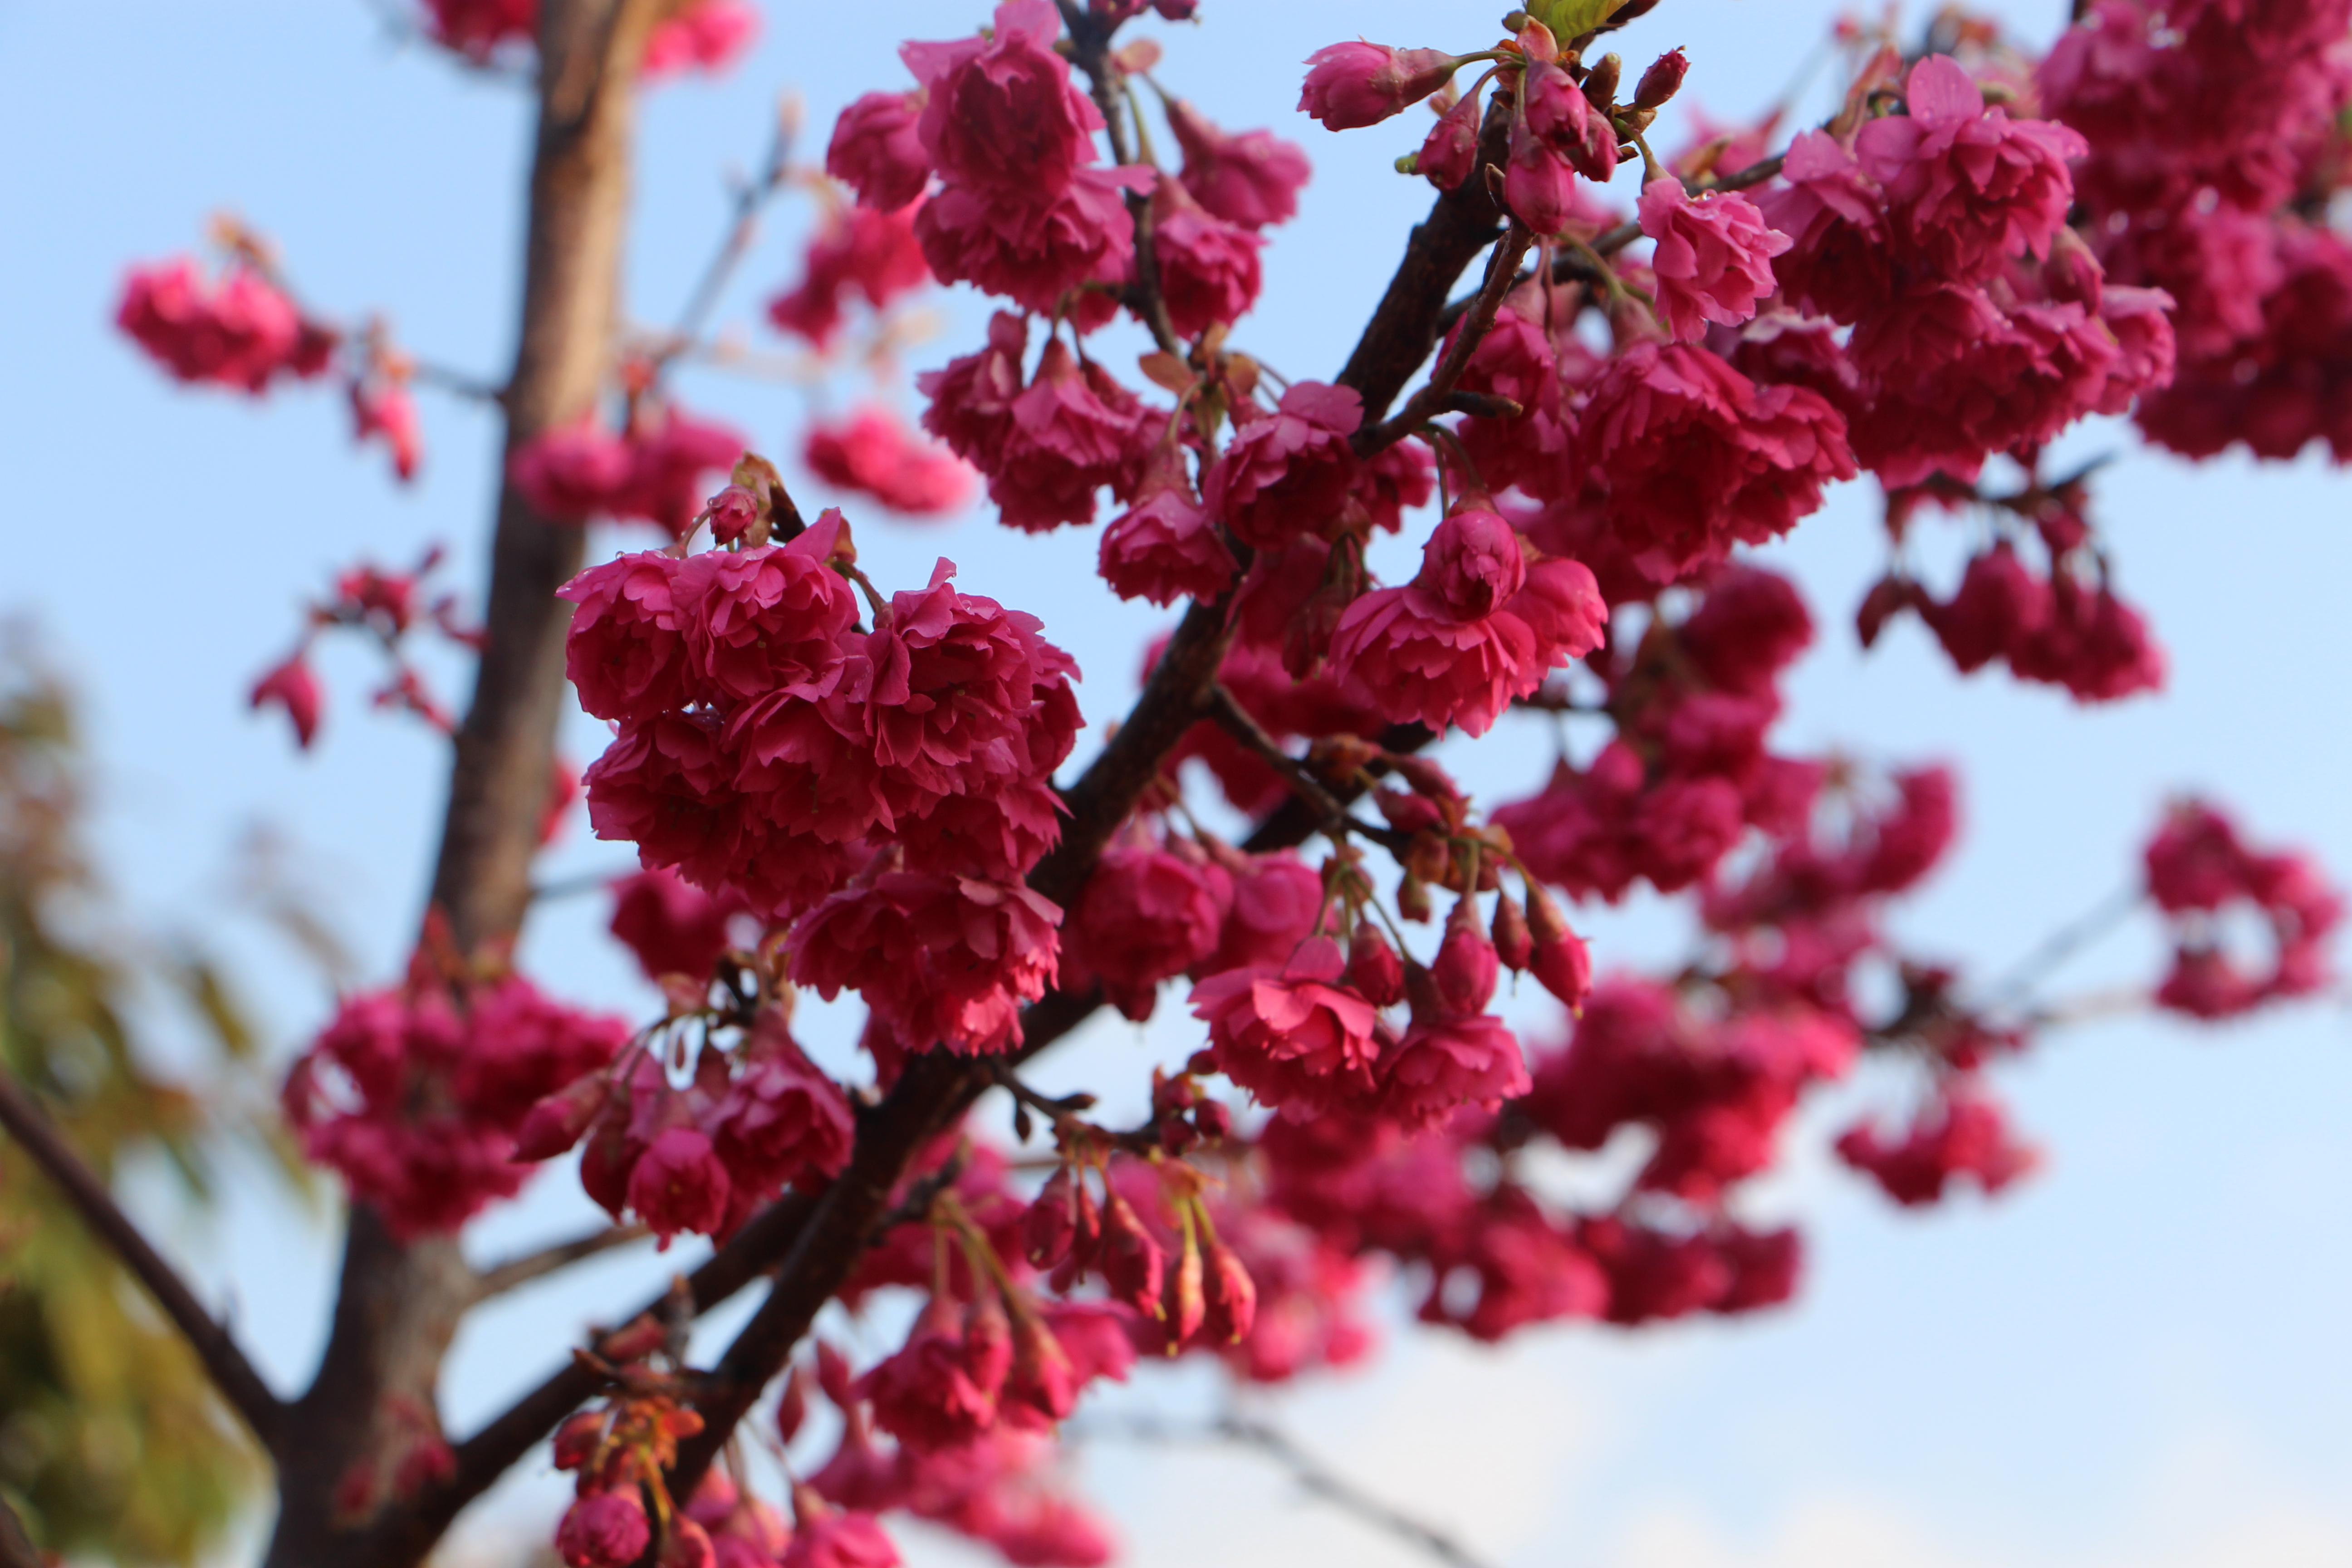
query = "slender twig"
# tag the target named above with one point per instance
(224, 1361)
(1502, 272)
(751, 198)
(1237, 721)
(455, 382)
(2013, 988)
(1311, 1474)
(1090, 47)
(517, 1272)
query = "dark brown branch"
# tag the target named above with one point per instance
(1331, 813)
(224, 1361)
(1405, 327)
(1090, 38)
(405, 1537)
(1502, 272)
(517, 1272)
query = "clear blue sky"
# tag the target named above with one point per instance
(2137, 1359)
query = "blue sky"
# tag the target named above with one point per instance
(2136, 1359)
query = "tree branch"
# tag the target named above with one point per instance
(1310, 1473)
(517, 1272)
(1502, 274)
(938, 1085)
(224, 1361)
(750, 199)
(1332, 816)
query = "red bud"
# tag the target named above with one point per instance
(1231, 1296)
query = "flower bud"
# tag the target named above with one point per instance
(1186, 1305)
(555, 1123)
(1133, 1265)
(1473, 563)
(987, 1342)
(1449, 150)
(1513, 944)
(1051, 1224)
(1357, 84)
(688, 1545)
(791, 1408)
(1600, 83)
(732, 513)
(1043, 1381)
(1413, 898)
(603, 1530)
(1662, 81)
(1214, 1120)
(1560, 964)
(1373, 967)
(577, 1440)
(1465, 972)
(1231, 1296)
(638, 1339)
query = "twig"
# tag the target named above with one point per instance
(750, 198)
(1237, 721)
(455, 382)
(1502, 272)
(1310, 1473)
(224, 1362)
(1090, 46)
(517, 1272)
(2063, 943)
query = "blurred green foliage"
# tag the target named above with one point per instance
(112, 1445)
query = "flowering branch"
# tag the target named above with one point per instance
(517, 1272)
(224, 1361)
(1332, 815)
(1091, 49)
(1502, 273)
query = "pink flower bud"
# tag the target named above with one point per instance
(1560, 964)
(606, 1530)
(987, 1342)
(1042, 1381)
(1465, 972)
(1359, 84)
(1231, 1296)
(1513, 944)
(688, 1545)
(577, 1439)
(1373, 967)
(791, 1409)
(292, 686)
(731, 513)
(1051, 1224)
(1662, 81)
(1450, 149)
(557, 1122)
(1186, 1305)
(1473, 563)
(1133, 1264)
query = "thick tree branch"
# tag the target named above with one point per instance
(1502, 273)
(399, 1303)
(517, 1272)
(224, 1361)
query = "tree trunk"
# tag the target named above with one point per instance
(399, 1303)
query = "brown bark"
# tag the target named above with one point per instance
(399, 1303)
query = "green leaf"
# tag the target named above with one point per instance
(1570, 19)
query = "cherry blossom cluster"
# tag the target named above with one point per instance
(243, 329)
(2197, 870)
(652, 471)
(415, 1095)
(705, 36)
(2215, 142)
